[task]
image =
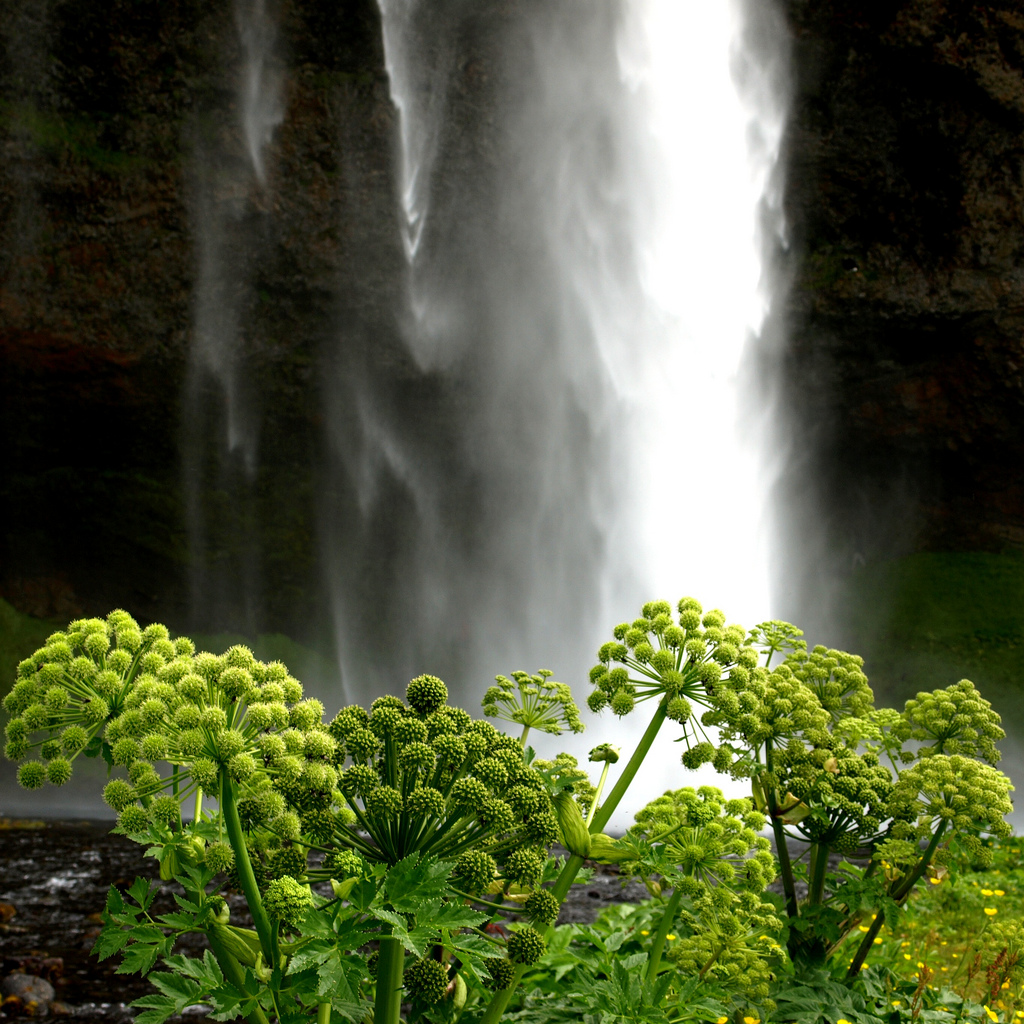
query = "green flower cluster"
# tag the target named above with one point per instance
(836, 679)
(733, 937)
(534, 702)
(423, 777)
(953, 793)
(681, 661)
(70, 691)
(957, 720)
(708, 838)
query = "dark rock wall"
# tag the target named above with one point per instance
(903, 379)
(102, 116)
(905, 198)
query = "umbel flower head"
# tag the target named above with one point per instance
(957, 720)
(70, 691)
(681, 660)
(732, 938)
(534, 702)
(966, 797)
(422, 777)
(698, 834)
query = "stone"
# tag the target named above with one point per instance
(28, 988)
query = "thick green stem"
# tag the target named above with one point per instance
(522, 739)
(243, 867)
(658, 946)
(323, 1013)
(388, 1004)
(199, 806)
(568, 874)
(232, 971)
(819, 863)
(597, 793)
(785, 864)
(899, 893)
(608, 807)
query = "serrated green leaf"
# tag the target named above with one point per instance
(138, 959)
(143, 891)
(186, 904)
(110, 941)
(412, 882)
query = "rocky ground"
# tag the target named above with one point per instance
(54, 878)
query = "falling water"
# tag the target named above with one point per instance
(221, 416)
(579, 196)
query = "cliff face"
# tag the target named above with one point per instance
(905, 375)
(110, 121)
(905, 361)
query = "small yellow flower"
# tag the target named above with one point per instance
(644, 931)
(999, 892)
(906, 956)
(896, 1002)
(992, 1015)
(945, 968)
(987, 892)
(670, 937)
(991, 911)
(843, 1020)
(751, 1020)
(1005, 984)
(956, 955)
(862, 927)
(722, 1020)
(904, 943)
(1019, 1013)
(878, 940)
(943, 943)
(935, 881)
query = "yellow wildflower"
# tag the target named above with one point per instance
(670, 937)
(992, 1015)
(991, 911)
(906, 956)
(862, 927)
(999, 892)
(751, 1020)
(935, 881)
(878, 940)
(987, 892)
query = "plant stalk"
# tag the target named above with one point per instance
(658, 946)
(899, 893)
(819, 863)
(323, 1013)
(568, 874)
(233, 973)
(236, 837)
(388, 1004)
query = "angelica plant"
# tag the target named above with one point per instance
(534, 702)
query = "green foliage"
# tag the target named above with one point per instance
(430, 827)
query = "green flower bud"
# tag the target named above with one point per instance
(424, 801)
(383, 802)
(58, 771)
(526, 946)
(15, 750)
(361, 744)
(228, 743)
(154, 747)
(524, 865)
(132, 820)
(475, 870)
(542, 906)
(220, 857)
(241, 767)
(502, 972)
(204, 773)
(125, 751)
(426, 694)
(289, 861)
(287, 900)
(31, 775)
(496, 815)
(622, 703)
(426, 980)
(307, 715)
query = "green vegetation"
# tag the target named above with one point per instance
(20, 635)
(396, 864)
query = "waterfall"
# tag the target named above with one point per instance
(581, 199)
(221, 413)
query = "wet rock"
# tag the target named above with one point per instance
(30, 990)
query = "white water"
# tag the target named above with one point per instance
(640, 155)
(222, 421)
